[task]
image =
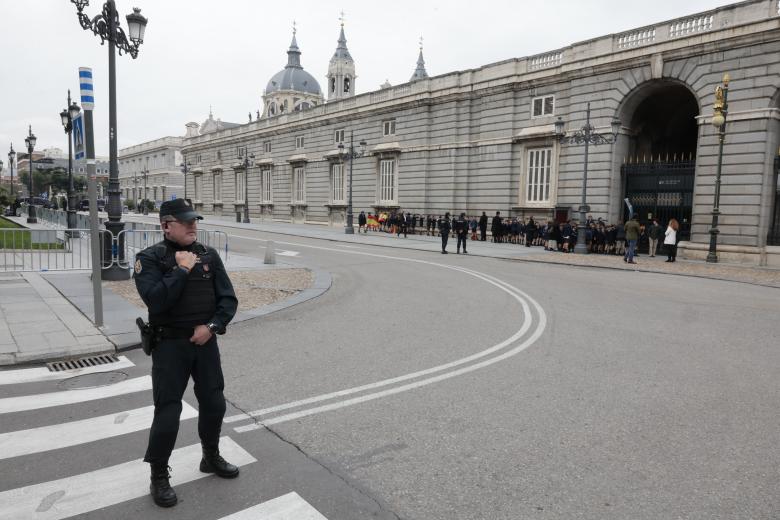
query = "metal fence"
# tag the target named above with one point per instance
(135, 240)
(47, 249)
(66, 249)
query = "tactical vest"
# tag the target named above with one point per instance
(198, 302)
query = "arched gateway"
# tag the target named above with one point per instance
(658, 171)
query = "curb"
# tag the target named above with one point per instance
(498, 257)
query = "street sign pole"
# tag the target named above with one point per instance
(88, 103)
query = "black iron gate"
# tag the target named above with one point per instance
(661, 190)
(773, 238)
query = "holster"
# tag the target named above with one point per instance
(147, 336)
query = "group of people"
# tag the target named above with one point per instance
(600, 237)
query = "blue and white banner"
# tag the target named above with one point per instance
(87, 90)
(78, 137)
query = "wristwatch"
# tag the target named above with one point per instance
(213, 327)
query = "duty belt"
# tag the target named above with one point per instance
(173, 333)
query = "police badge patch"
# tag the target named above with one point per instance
(138, 267)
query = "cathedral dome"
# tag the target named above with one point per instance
(293, 77)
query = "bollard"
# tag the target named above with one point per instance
(270, 255)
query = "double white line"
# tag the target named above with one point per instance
(499, 352)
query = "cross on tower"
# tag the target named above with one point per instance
(294, 29)
(421, 43)
(341, 18)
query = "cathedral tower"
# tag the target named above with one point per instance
(341, 71)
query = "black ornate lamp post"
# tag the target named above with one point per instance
(184, 166)
(67, 116)
(106, 26)
(586, 136)
(350, 155)
(11, 163)
(249, 161)
(720, 109)
(30, 141)
(136, 198)
(145, 173)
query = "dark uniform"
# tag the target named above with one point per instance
(444, 230)
(179, 301)
(462, 231)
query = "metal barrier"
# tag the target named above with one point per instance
(135, 240)
(47, 249)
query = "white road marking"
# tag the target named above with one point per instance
(38, 374)
(57, 436)
(411, 386)
(105, 487)
(516, 293)
(287, 253)
(37, 401)
(286, 507)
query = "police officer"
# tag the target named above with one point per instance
(444, 230)
(462, 231)
(190, 299)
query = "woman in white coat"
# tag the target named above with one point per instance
(670, 240)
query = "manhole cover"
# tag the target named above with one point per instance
(92, 380)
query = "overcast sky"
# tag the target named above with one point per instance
(198, 53)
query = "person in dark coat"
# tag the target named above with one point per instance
(444, 230)
(483, 227)
(362, 222)
(190, 300)
(462, 231)
(495, 227)
(530, 232)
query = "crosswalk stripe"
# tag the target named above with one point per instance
(57, 436)
(286, 507)
(105, 487)
(39, 374)
(65, 397)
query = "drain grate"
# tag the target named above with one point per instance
(86, 362)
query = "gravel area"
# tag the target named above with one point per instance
(731, 272)
(253, 288)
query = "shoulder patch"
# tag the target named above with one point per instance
(138, 266)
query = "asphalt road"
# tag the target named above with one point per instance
(423, 386)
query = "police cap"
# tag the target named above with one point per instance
(180, 209)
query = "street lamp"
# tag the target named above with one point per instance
(67, 116)
(145, 173)
(11, 163)
(106, 26)
(30, 141)
(249, 161)
(720, 109)
(586, 136)
(350, 155)
(184, 165)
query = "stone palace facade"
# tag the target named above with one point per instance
(484, 139)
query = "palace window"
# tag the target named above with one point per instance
(240, 185)
(538, 175)
(299, 141)
(337, 183)
(217, 186)
(338, 136)
(265, 175)
(388, 182)
(299, 185)
(267, 146)
(198, 181)
(388, 127)
(543, 106)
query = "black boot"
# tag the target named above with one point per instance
(161, 490)
(213, 462)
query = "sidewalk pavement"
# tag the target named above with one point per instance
(730, 272)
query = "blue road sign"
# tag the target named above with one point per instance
(78, 137)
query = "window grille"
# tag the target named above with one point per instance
(539, 170)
